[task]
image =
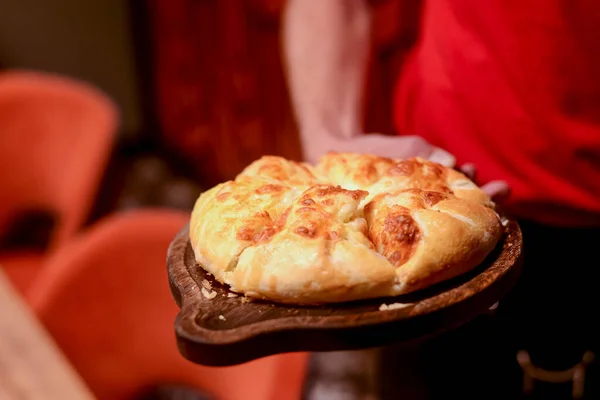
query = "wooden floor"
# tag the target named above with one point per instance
(31, 365)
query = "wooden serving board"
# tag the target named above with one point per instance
(225, 330)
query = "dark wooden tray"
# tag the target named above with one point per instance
(228, 330)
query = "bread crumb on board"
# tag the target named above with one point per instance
(208, 294)
(231, 294)
(246, 299)
(222, 317)
(206, 284)
(394, 306)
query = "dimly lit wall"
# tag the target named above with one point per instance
(87, 39)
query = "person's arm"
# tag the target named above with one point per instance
(326, 45)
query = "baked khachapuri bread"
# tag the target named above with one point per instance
(352, 227)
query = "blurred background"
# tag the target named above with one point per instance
(112, 106)
(198, 85)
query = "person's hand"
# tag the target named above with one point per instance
(398, 147)
(498, 190)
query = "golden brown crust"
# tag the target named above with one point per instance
(353, 227)
(281, 169)
(379, 175)
(430, 236)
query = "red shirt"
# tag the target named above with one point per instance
(513, 86)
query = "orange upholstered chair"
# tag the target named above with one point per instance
(106, 300)
(56, 135)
